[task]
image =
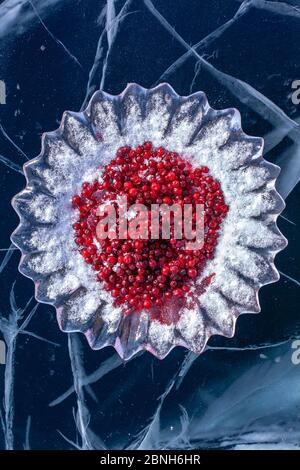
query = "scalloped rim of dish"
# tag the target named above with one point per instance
(89, 333)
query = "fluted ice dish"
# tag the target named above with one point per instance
(243, 259)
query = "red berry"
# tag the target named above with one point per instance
(167, 200)
(178, 292)
(160, 151)
(192, 272)
(165, 270)
(112, 260)
(76, 201)
(128, 185)
(147, 304)
(128, 259)
(132, 192)
(171, 176)
(115, 292)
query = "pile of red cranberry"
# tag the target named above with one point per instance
(144, 274)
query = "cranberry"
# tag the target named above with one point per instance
(147, 274)
(192, 273)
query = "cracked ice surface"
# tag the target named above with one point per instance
(242, 393)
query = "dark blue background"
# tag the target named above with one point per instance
(243, 390)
